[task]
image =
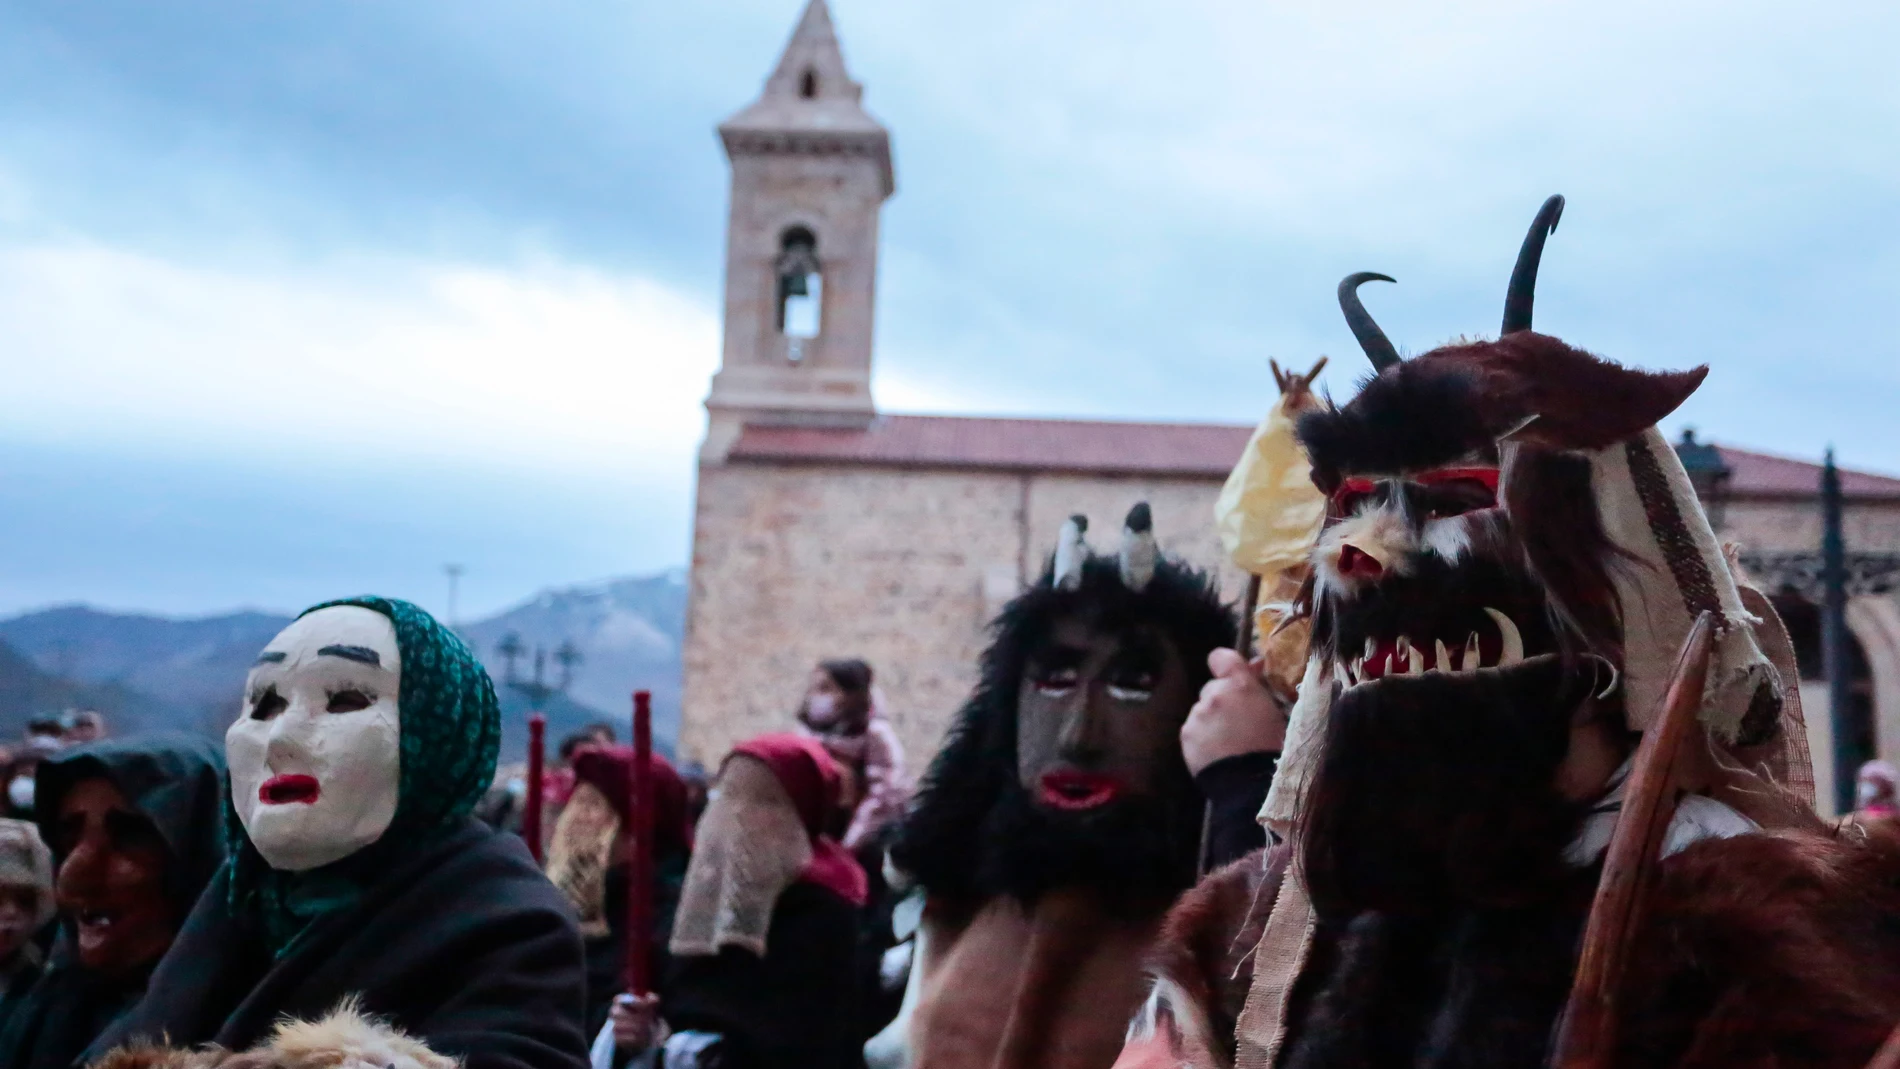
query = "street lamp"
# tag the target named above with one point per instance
(1708, 473)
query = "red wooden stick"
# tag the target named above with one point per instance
(531, 813)
(640, 849)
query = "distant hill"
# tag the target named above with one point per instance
(628, 633)
(151, 671)
(26, 692)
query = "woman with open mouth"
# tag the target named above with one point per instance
(136, 830)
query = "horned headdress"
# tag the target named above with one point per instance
(1600, 504)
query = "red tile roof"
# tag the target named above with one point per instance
(1190, 450)
(1772, 476)
(1183, 449)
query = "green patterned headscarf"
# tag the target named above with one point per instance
(450, 736)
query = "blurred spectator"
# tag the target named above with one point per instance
(26, 905)
(765, 937)
(86, 726)
(842, 710)
(1877, 793)
(587, 860)
(21, 773)
(136, 828)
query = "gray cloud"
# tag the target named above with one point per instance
(1103, 209)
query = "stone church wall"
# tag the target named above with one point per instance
(793, 563)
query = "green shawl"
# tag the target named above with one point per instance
(450, 734)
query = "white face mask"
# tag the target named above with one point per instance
(316, 760)
(20, 792)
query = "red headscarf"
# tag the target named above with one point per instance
(811, 779)
(609, 769)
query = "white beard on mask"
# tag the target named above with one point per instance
(315, 755)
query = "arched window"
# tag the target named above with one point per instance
(801, 288)
(808, 84)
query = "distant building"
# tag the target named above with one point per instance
(824, 528)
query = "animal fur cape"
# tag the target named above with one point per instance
(1768, 949)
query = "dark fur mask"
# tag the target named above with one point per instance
(973, 832)
(1437, 791)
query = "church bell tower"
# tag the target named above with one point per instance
(811, 169)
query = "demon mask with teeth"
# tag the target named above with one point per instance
(1065, 768)
(1511, 556)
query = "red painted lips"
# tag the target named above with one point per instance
(1077, 790)
(283, 790)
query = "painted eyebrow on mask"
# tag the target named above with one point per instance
(271, 657)
(360, 654)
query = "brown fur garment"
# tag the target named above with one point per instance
(1769, 950)
(1201, 965)
(346, 1039)
(1766, 950)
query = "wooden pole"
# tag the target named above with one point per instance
(1586, 1036)
(639, 943)
(531, 811)
(1243, 645)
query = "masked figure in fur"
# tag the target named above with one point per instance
(1511, 560)
(1059, 820)
(357, 875)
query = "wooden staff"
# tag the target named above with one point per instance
(1586, 1038)
(1243, 645)
(531, 812)
(639, 840)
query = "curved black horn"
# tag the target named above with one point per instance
(1373, 340)
(1523, 291)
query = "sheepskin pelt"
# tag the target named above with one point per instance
(345, 1039)
(1456, 401)
(1769, 949)
(973, 831)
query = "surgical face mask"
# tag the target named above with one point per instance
(315, 755)
(1870, 791)
(20, 792)
(822, 709)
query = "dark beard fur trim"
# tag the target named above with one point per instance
(1138, 852)
(944, 841)
(1436, 791)
(1459, 400)
(1472, 989)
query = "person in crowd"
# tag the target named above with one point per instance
(40, 745)
(1875, 792)
(841, 710)
(1059, 821)
(765, 937)
(134, 827)
(86, 726)
(26, 907)
(367, 733)
(587, 860)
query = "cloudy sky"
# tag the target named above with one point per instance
(298, 300)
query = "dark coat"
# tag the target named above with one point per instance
(795, 1008)
(465, 946)
(177, 782)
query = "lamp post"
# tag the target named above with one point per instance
(1834, 637)
(1708, 473)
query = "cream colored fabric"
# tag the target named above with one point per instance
(1284, 945)
(581, 853)
(1299, 759)
(26, 862)
(1656, 619)
(1269, 511)
(750, 846)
